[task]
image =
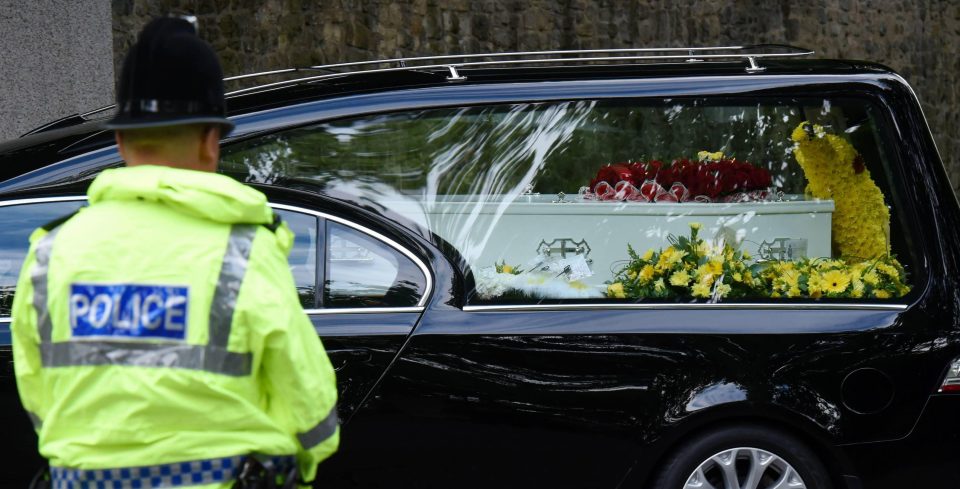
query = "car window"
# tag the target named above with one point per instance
(362, 271)
(17, 222)
(695, 199)
(303, 255)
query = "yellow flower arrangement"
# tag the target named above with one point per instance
(689, 266)
(834, 170)
(815, 278)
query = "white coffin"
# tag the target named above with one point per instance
(514, 231)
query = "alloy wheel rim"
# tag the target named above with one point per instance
(745, 468)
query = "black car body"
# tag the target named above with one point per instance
(442, 389)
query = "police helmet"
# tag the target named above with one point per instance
(170, 77)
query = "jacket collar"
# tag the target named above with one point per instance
(210, 196)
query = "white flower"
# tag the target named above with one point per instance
(549, 286)
(491, 284)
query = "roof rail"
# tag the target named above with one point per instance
(450, 63)
(67, 121)
(70, 120)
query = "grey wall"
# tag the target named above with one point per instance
(56, 59)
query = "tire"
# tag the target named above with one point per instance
(762, 458)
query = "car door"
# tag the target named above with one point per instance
(373, 293)
(372, 299)
(18, 218)
(363, 291)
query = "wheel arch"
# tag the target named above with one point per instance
(805, 430)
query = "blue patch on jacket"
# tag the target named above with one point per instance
(128, 310)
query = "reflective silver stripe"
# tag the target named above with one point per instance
(39, 278)
(234, 267)
(141, 354)
(37, 422)
(319, 433)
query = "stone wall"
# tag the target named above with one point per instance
(918, 38)
(56, 60)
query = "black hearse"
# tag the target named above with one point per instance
(679, 268)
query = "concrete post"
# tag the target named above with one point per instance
(56, 59)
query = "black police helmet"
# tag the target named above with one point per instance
(170, 77)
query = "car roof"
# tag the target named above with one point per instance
(82, 133)
(310, 87)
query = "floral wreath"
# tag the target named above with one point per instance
(711, 178)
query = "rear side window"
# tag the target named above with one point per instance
(641, 200)
(303, 255)
(365, 272)
(17, 222)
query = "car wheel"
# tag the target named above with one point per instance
(743, 457)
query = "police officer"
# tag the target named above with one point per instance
(158, 338)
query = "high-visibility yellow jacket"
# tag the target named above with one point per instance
(161, 325)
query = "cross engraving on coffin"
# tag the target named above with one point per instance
(560, 245)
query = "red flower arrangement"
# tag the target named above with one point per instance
(682, 180)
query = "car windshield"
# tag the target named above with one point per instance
(702, 199)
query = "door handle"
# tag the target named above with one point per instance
(341, 357)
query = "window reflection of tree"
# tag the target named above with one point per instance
(6, 299)
(499, 150)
